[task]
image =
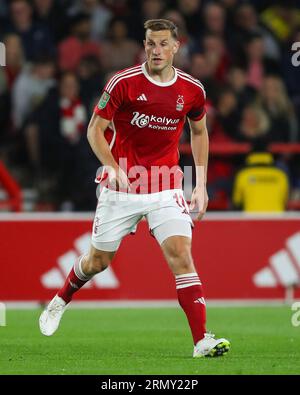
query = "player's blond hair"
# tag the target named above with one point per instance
(162, 24)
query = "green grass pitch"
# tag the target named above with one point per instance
(149, 341)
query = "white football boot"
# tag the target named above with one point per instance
(51, 316)
(211, 347)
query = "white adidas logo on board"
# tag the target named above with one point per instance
(283, 268)
(55, 277)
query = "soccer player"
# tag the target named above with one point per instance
(144, 108)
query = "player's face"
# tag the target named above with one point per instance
(160, 49)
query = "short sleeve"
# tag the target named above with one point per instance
(198, 111)
(110, 101)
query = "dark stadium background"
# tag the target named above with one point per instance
(59, 55)
(240, 51)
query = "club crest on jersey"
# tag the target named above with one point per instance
(103, 100)
(179, 103)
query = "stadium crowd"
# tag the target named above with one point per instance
(59, 54)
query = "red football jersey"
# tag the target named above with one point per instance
(147, 119)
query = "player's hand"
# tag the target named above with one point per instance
(199, 201)
(118, 179)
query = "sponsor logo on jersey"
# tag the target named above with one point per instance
(179, 103)
(140, 120)
(154, 122)
(103, 100)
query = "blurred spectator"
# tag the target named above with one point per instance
(152, 9)
(182, 59)
(214, 19)
(246, 23)
(3, 9)
(99, 13)
(36, 38)
(222, 122)
(191, 12)
(200, 69)
(8, 74)
(57, 146)
(215, 51)
(261, 186)
(14, 58)
(4, 107)
(255, 66)
(78, 44)
(237, 80)
(119, 51)
(30, 88)
(226, 117)
(147, 9)
(291, 75)
(256, 62)
(52, 14)
(254, 126)
(121, 7)
(73, 116)
(275, 102)
(229, 7)
(282, 18)
(91, 81)
(239, 50)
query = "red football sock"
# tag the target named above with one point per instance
(190, 297)
(75, 280)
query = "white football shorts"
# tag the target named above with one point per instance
(118, 214)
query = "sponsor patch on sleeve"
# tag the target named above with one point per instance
(103, 100)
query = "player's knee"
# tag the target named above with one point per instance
(96, 263)
(180, 258)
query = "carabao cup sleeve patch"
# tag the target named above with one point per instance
(103, 100)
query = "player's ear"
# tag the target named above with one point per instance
(144, 42)
(176, 47)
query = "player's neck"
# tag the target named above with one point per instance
(165, 75)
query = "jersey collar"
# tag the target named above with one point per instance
(168, 83)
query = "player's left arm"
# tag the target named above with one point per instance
(199, 145)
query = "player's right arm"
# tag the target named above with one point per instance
(101, 149)
(98, 142)
(111, 100)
